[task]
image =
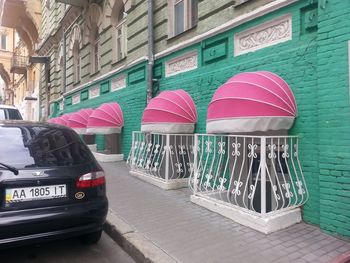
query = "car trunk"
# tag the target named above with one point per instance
(36, 188)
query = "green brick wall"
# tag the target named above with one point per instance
(315, 65)
(294, 60)
(334, 116)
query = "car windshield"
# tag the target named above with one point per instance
(35, 146)
(10, 114)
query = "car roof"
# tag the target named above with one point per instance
(3, 106)
(21, 123)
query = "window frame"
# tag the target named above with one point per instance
(76, 63)
(120, 46)
(95, 56)
(188, 22)
(3, 37)
(118, 21)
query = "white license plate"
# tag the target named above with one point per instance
(35, 193)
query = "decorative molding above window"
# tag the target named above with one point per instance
(267, 34)
(186, 62)
(111, 8)
(118, 83)
(93, 20)
(76, 99)
(75, 36)
(94, 92)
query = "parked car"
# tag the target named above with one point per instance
(51, 186)
(9, 113)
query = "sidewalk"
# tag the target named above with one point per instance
(167, 227)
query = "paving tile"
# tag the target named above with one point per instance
(194, 234)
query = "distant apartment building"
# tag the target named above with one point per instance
(7, 36)
(23, 18)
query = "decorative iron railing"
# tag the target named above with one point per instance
(164, 156)
(19, 61)
(260, 174)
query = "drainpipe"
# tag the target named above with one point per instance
(150, 51)
(64, 61)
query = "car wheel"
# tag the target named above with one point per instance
(91, 238)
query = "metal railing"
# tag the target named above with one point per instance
(164, 156)
(260, 174)
(19, 61)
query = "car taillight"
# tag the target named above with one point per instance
(91, 180)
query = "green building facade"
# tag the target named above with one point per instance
(306, 42)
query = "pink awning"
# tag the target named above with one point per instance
(106, 119)
(170, 112)
(252, 101)
(65, 118)
(78, 120)
(52, 120)
(61, 121)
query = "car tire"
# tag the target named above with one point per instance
(91, 238)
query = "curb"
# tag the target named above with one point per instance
(141, 249)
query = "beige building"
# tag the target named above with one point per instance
(7, 38)
(24, 18)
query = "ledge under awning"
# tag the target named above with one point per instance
(78, 121)
(170, 112)
(252, 101)
(106, 119)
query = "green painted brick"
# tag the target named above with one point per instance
(315, 65)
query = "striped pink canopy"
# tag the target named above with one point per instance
(170, 112)
(106, 119)
(52, 120)
(61, 121)
(78, 120)
(252, 101)
(64, 118)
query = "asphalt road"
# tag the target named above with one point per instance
(67, 251)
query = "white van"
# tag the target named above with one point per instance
(9, 113)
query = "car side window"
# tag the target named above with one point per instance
(14, 114)
(2, 114)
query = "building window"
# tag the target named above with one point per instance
(121, 41)
(3, 41)
(183, 15)
(48, 4)
(74, 54)
(95, 56)
(63, 82)
(120, 36)
(76, 62)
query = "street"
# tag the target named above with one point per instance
(70, 251)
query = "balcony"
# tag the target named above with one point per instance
(19, 64)
(255, 180)
(165, 160)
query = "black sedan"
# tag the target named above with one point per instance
(50, 185)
